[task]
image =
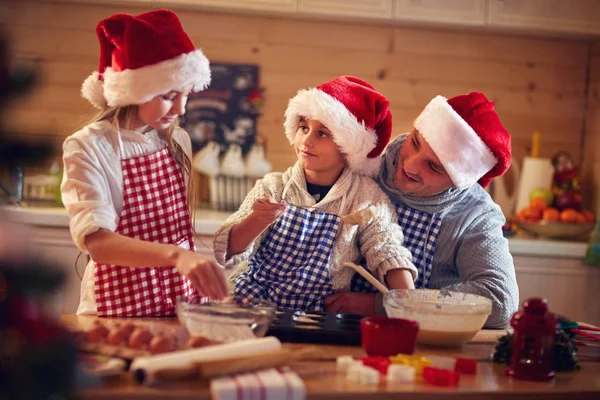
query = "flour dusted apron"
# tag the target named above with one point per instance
(155, 209)
(290, 267)
(420, 236)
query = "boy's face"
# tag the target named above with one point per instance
(162, 110)
(316, 151)
(420, 172)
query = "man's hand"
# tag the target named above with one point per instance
(351, 303)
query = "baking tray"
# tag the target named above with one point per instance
(316, 327)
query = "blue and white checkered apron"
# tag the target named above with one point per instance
(290, 268)
(420, 235)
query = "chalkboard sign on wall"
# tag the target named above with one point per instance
(227, 111)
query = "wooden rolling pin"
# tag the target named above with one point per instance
(273, 359)
(235, 365)
(182, 364)
(170, 374)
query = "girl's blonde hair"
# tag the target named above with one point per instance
(126, 116)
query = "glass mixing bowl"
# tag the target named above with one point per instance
(226, 321)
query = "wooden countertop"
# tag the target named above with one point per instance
(322, 381)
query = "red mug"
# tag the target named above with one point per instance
(385, 336)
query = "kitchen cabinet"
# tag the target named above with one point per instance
(354, 8)
(577, 16)
(563, 17)
(569, 286)
(457, 12)
(255, 5)
(54, 246)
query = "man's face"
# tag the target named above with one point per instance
(420, 172)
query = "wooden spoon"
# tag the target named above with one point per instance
(368, 276)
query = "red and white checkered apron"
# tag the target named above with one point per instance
(155, 210)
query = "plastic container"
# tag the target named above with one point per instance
(384, 336)
(446, 318)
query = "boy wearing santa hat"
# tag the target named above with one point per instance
(290, 228)
(126, 174)
(436, 176)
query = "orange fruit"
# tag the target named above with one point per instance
(588, 216)
(550, 214)
(532, 213)
(569, 216)
(580, 218)
(538, 202)
(520, 215)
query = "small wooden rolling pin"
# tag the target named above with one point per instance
(279, 358)
(182, 364)
(230, 366)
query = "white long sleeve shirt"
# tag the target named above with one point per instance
(92, 186)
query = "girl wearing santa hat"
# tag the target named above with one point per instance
(126, 174)
(289, 228)
(436, 176)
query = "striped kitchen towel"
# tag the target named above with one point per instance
(268, 384)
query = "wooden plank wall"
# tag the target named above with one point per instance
(537, 83)
(591, 160)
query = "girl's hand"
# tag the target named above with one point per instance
(205, 274)
(265, 211)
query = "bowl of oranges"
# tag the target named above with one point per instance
(540, 219)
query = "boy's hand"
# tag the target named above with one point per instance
(351, 303)
(267, 210)
(399, 279)
(264, 212)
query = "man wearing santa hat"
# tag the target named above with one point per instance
(436, 176)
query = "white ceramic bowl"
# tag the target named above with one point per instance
(446, 319)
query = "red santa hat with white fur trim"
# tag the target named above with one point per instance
(468, 138)
(144, 56)
(357, 115)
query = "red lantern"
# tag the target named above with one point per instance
(533, 342)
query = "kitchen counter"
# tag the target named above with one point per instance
(322, 381)
(526, 245)
(208, 221)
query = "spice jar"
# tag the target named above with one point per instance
(533, 342)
